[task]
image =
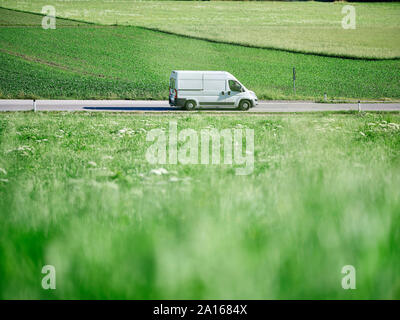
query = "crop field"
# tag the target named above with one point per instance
(77, 192)
(85, 61)
(296, 26)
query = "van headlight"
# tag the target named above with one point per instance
(253, 94)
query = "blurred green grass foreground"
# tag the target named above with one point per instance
(77, 192)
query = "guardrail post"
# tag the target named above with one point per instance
(359, 106)
(294, 80)
(34, 105)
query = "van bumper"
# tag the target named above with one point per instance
(177, 102)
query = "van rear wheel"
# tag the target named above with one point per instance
(244, 105)
(190, 105)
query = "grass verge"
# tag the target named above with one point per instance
(76, 192)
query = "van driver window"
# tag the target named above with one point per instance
(235, 86)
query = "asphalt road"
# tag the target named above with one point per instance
(163, 106)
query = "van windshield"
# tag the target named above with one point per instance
(235, 86)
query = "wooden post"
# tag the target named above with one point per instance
(294, 80)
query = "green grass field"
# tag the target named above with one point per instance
(306, 27)
(76, 192)
(87, 61)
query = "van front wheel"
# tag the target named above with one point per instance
(244, 105)
(190, 105)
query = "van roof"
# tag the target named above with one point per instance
(183, 74)
(199, 71)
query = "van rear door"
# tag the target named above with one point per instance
(189, 86)
(172, 90)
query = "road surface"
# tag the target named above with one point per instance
(163, 106)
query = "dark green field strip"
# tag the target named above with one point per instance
(53, 64)
(131, 62)
(21, 78)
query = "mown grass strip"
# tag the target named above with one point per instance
(306, 52)
(298, 26)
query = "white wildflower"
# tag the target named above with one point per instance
(92, 163)
(159, 171)
(24, 148)
(126, 131)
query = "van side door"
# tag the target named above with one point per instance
(214, 93)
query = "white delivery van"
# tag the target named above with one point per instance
(196, 89)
